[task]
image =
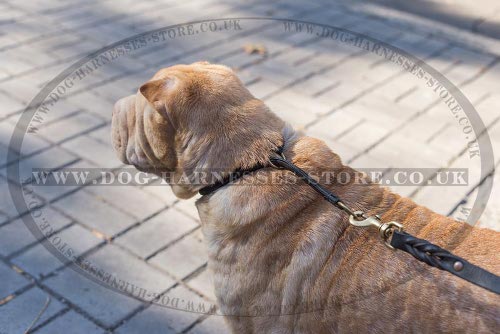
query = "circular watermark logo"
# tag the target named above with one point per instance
(200, 38)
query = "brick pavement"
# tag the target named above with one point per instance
(371, 112)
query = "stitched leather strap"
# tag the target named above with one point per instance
(440, 258)
(280, 162)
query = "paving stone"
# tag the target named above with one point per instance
(298, 118)
(302, 102)
(344, 151)
(50, 159)
(7, 205)
(31, 141)
(92, 103)
(50, 193)
(94, 213)
(340, 95)
(16, 64)
(9, 104)
(170, 319)
(334, 125)
(296, 54)
(487, 108)
(15, 235)
(57, 112)
(39, 262)
(102, 304)
(315, 85)
(372, 134)
(188, 207)
(22, 90)
(263, 88)
(450, 138)
(7, 155)
(212, 324)
(203, 283)
(416, 153)
(277, 73)
(329, 55)
(11, 281)
(443, 199)
(419, 99)
(69, 127)
(130, 199)
(161, 191)
(157, 232)
(17, 315)
(102, 134)
(3, 218)
(70, 321)
(100, 154)
(491, 215)
(183, 257)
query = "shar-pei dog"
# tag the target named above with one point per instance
(283, 259)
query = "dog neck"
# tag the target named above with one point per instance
(239, 139)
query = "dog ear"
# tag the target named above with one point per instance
(155, 91)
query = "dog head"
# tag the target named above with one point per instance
(192, 117)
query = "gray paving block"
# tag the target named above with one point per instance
(214, 324)
(189, 207)
(203, 283)
(183, 257)
(3, 218)
(157, 232)
(52, 192)
(130, 199)
(127, 267)
(263, 88)
(7, 206)
(11, 280)
(15, 235)
(33, 142)
(52, 158)
(94, 213)
(298, 118)
(9, 104)
(92, 103)
(303, 102)
(56, 112)
(69, 127)
(4, 152)
(38, 261)
(102, 134)
(72, 321)
(102, 155)
(372, 134)
(18, 314)
(107, 306)
(161, 191)
(158, 320)
(333, 125)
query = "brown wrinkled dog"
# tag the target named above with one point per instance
(283, 259)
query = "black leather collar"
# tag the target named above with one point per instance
(235, 175)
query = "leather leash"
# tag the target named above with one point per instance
(391, 233)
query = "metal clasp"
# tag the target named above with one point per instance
(385, 230)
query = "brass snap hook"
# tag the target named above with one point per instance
(385, 230)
